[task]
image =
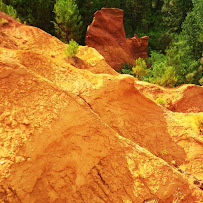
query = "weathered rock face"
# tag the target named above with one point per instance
(185, 99)
(73, 135)
(107, 35)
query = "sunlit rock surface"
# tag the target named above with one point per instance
(77, 131)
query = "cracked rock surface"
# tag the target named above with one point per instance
(77, 131)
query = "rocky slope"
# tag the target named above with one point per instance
(77, 131)
(185, 98)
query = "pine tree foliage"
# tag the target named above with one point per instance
(174, 13)
(67, 20)
(186, 50)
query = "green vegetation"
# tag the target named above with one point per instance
(67, 20)
(174, 27)
(164, 152)
(201, 81)
(3, 7)
(161, 101)
(126, 69)
(11, 11)
(159, 72)
(8, 9)
(185, 52)
(140, 70)
(3, 21)
(72, 49)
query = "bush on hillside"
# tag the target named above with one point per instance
(126, 68)
(161, 101)
(164, 76)
(8, 9)
(140, 69)
(72, 49)
(160, 73)
(201, 81)
(3, 21)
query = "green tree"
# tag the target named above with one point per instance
(174, 13)
(186, 50)
(162, 21)
(140, 69)
(35, 12)
(67, 20)
(8, 9)
(192, 29)
(160, 73)
(42, 15)
(72, 49)
(135, 16)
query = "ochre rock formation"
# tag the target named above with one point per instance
(71, 134)
(107, 35)
(185, 98)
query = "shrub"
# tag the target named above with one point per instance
(127, 69)
(201, 81)
(3, 21)
(190, 76)
(168, 78)
(160, 73)
(8, 9)
(11, 11)
(161, 101)
(164, 152)
(2, 6)
(137, 71)
(140, 69)
(72, 49)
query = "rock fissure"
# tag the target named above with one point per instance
(103, 181)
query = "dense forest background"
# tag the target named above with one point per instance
(174, 27)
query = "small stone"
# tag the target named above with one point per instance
(196, 182)
(26, 122)
(2, 162)
(19, 159)
(173, 162)
(180, 170)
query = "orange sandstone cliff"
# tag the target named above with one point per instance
(107, 35)
(77, 131)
